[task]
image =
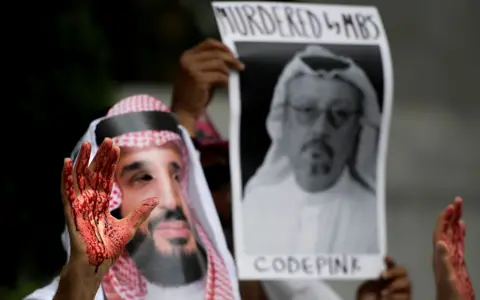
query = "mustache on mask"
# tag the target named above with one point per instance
(175, 214)
(319, 145)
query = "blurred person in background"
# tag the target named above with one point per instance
(202, 69)
(452, 281)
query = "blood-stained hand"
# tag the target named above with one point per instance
(451, 276)
(97, 238)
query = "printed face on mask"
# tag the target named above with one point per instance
(167, 237)
(321, 128)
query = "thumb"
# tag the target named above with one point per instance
(141, 213)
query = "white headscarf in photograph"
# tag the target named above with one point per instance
(276, 166)
(338, 219)
(269, 191)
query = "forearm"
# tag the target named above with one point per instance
(77, 283)
(186, 120)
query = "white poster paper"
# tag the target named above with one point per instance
(310, 118)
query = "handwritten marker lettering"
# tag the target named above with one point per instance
(258, 20)
(331, 265)
(289, 21)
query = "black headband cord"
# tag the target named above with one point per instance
(135, 122)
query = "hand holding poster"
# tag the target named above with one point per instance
(309, 128)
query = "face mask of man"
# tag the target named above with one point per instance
(165, 248)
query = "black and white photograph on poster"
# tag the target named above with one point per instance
(309, 131)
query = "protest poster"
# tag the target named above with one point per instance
(310, 117)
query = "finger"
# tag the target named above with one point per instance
(393, 273)
(81, 165)
(111, 158)
(226, 57)
(457, 204)
(105, 181)
(217, 65)
(141, 213)
(463, 228)
(447, 221)
(449, 215)
(216, 79)
(396, 296)
(112, 167)
(453, 228)
(102, 155)
(397, 286)
(211, 44)
(98, 163)
(69, 194)
(458, 225)
(457, 236)
(441, 225)
(461, 239)
(68, 190)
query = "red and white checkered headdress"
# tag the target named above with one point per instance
(123, 278)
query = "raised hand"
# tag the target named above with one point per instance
(96, 237)
(202, 68)
(451, 276)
